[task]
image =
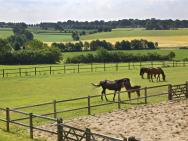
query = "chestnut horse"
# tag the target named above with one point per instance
(156, 72)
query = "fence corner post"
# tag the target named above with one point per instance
(169, 92)
(31, 125)
(60, 130)
(88, 134)
(186, 89)
(89, 105)
(8, 119)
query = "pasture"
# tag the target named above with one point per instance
(165, 38)
(27, 91)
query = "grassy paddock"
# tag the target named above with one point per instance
(34, 90)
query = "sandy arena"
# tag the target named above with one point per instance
(161, 122)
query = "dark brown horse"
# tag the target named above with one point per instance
(115, 85)
(143, 71)
(156, 72)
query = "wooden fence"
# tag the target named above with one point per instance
(65, 132)
(78, 68)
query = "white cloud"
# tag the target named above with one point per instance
(59, 10)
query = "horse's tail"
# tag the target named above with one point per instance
(96, 85)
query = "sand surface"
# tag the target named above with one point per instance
(160, 122)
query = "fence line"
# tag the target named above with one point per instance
(78, 68)
(172, 92)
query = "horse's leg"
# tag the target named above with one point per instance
(105, 95)
(159, 77)
(114, 95)
(129, 95)
(138, 94)
(152, 77)
(102, 93)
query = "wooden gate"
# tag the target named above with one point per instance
(178, 91)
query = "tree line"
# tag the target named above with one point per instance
(106, 26)
(105, 56)
(21, 48)
(96, 44)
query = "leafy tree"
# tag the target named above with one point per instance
(75, 36)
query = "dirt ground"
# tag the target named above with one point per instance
(161, 122)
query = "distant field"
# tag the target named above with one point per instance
(5, 32)
(165, 38)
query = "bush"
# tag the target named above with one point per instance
(42, 56)
(103, 55)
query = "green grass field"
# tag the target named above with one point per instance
(165, 38)
(33, 90)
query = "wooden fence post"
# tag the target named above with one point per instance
(89, 105)
(104, 67)
(55, 111)
(170, 92)
(184, 63)
(129, 66)
(152, 64)
(50, 70)
(78, 68)
(31, 125)
(91, 67)
(140, 64)
(186, 89)
(173, 63)
(35, 71)
(88, 134)
(3, 73)
(8, 119)
(64, 68)
(119, 101)
(145, 95)
(116, 66)
(20, 72)
(60, 130)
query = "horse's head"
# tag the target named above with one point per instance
(141, 71)
(164, 77)
(127, 83)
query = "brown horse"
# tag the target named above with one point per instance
(144, 70)
(115, 85)
(131, 89)
(156, 72)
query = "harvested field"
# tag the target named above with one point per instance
(161, 122)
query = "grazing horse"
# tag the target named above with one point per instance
(156, 72)
(115, 85)
(144, 70)
(131, 89)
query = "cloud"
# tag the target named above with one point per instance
(33, 11)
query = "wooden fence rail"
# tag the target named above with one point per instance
(78, 68)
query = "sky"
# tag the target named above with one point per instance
(36, 11)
